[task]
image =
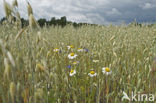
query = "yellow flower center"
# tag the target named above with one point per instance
(79, 48)
(74, 62)
(92, 72)
(72, 71)
(107, 70)
(56, 48)
(71, 46)
(72, 54)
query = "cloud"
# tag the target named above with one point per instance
(148, 6)
(113, 12)
(91, 11)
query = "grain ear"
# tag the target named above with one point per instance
(15, 3)
(7, 9)
(20, 33)
(12, 91)
(29, 8)
(153, 74)
(32, 22)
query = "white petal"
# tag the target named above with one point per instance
(92, 75)
(71, 74)
(104, 68)
(68, 47)
(72, 57)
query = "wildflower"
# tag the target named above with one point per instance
(56, 50)
(69, 66)
(95, 61)
(86, 50)
(76, 62)
(70, 47)
(72, 55)
(92, 73)
(80, 50)
(106, 70)
(72, 72)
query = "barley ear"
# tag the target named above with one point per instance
(15, 3)
(12, 91)
(20, 33)
(32, 22)
(38, 95)
(6, 74)
(29, 8)
(153, 74)
(7, 9)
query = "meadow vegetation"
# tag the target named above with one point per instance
(89, 64)
(38, 72)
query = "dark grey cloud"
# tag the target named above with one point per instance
(91, 11)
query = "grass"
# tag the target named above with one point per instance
(41, 76)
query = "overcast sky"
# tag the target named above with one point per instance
(91, 11)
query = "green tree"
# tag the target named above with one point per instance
(42, 22)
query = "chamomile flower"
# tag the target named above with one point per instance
(72, 72)
(95, 61)
(80, 50)
(92, 73)
(70, 47)
(106, 70)
(72, 55)
(76, 62)
(56, 50)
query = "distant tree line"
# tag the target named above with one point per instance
(52, 22)
(63, 22)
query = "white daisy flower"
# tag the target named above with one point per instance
(80, 50)
(95, 61)
(70, 47)
(72, 72)
(92, 73)
(72, 55)
(76, 62)
(106, 70)
(56, 50)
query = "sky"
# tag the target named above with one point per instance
(91, 11)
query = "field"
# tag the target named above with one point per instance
(36, 66)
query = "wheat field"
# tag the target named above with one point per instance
(65, 65)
